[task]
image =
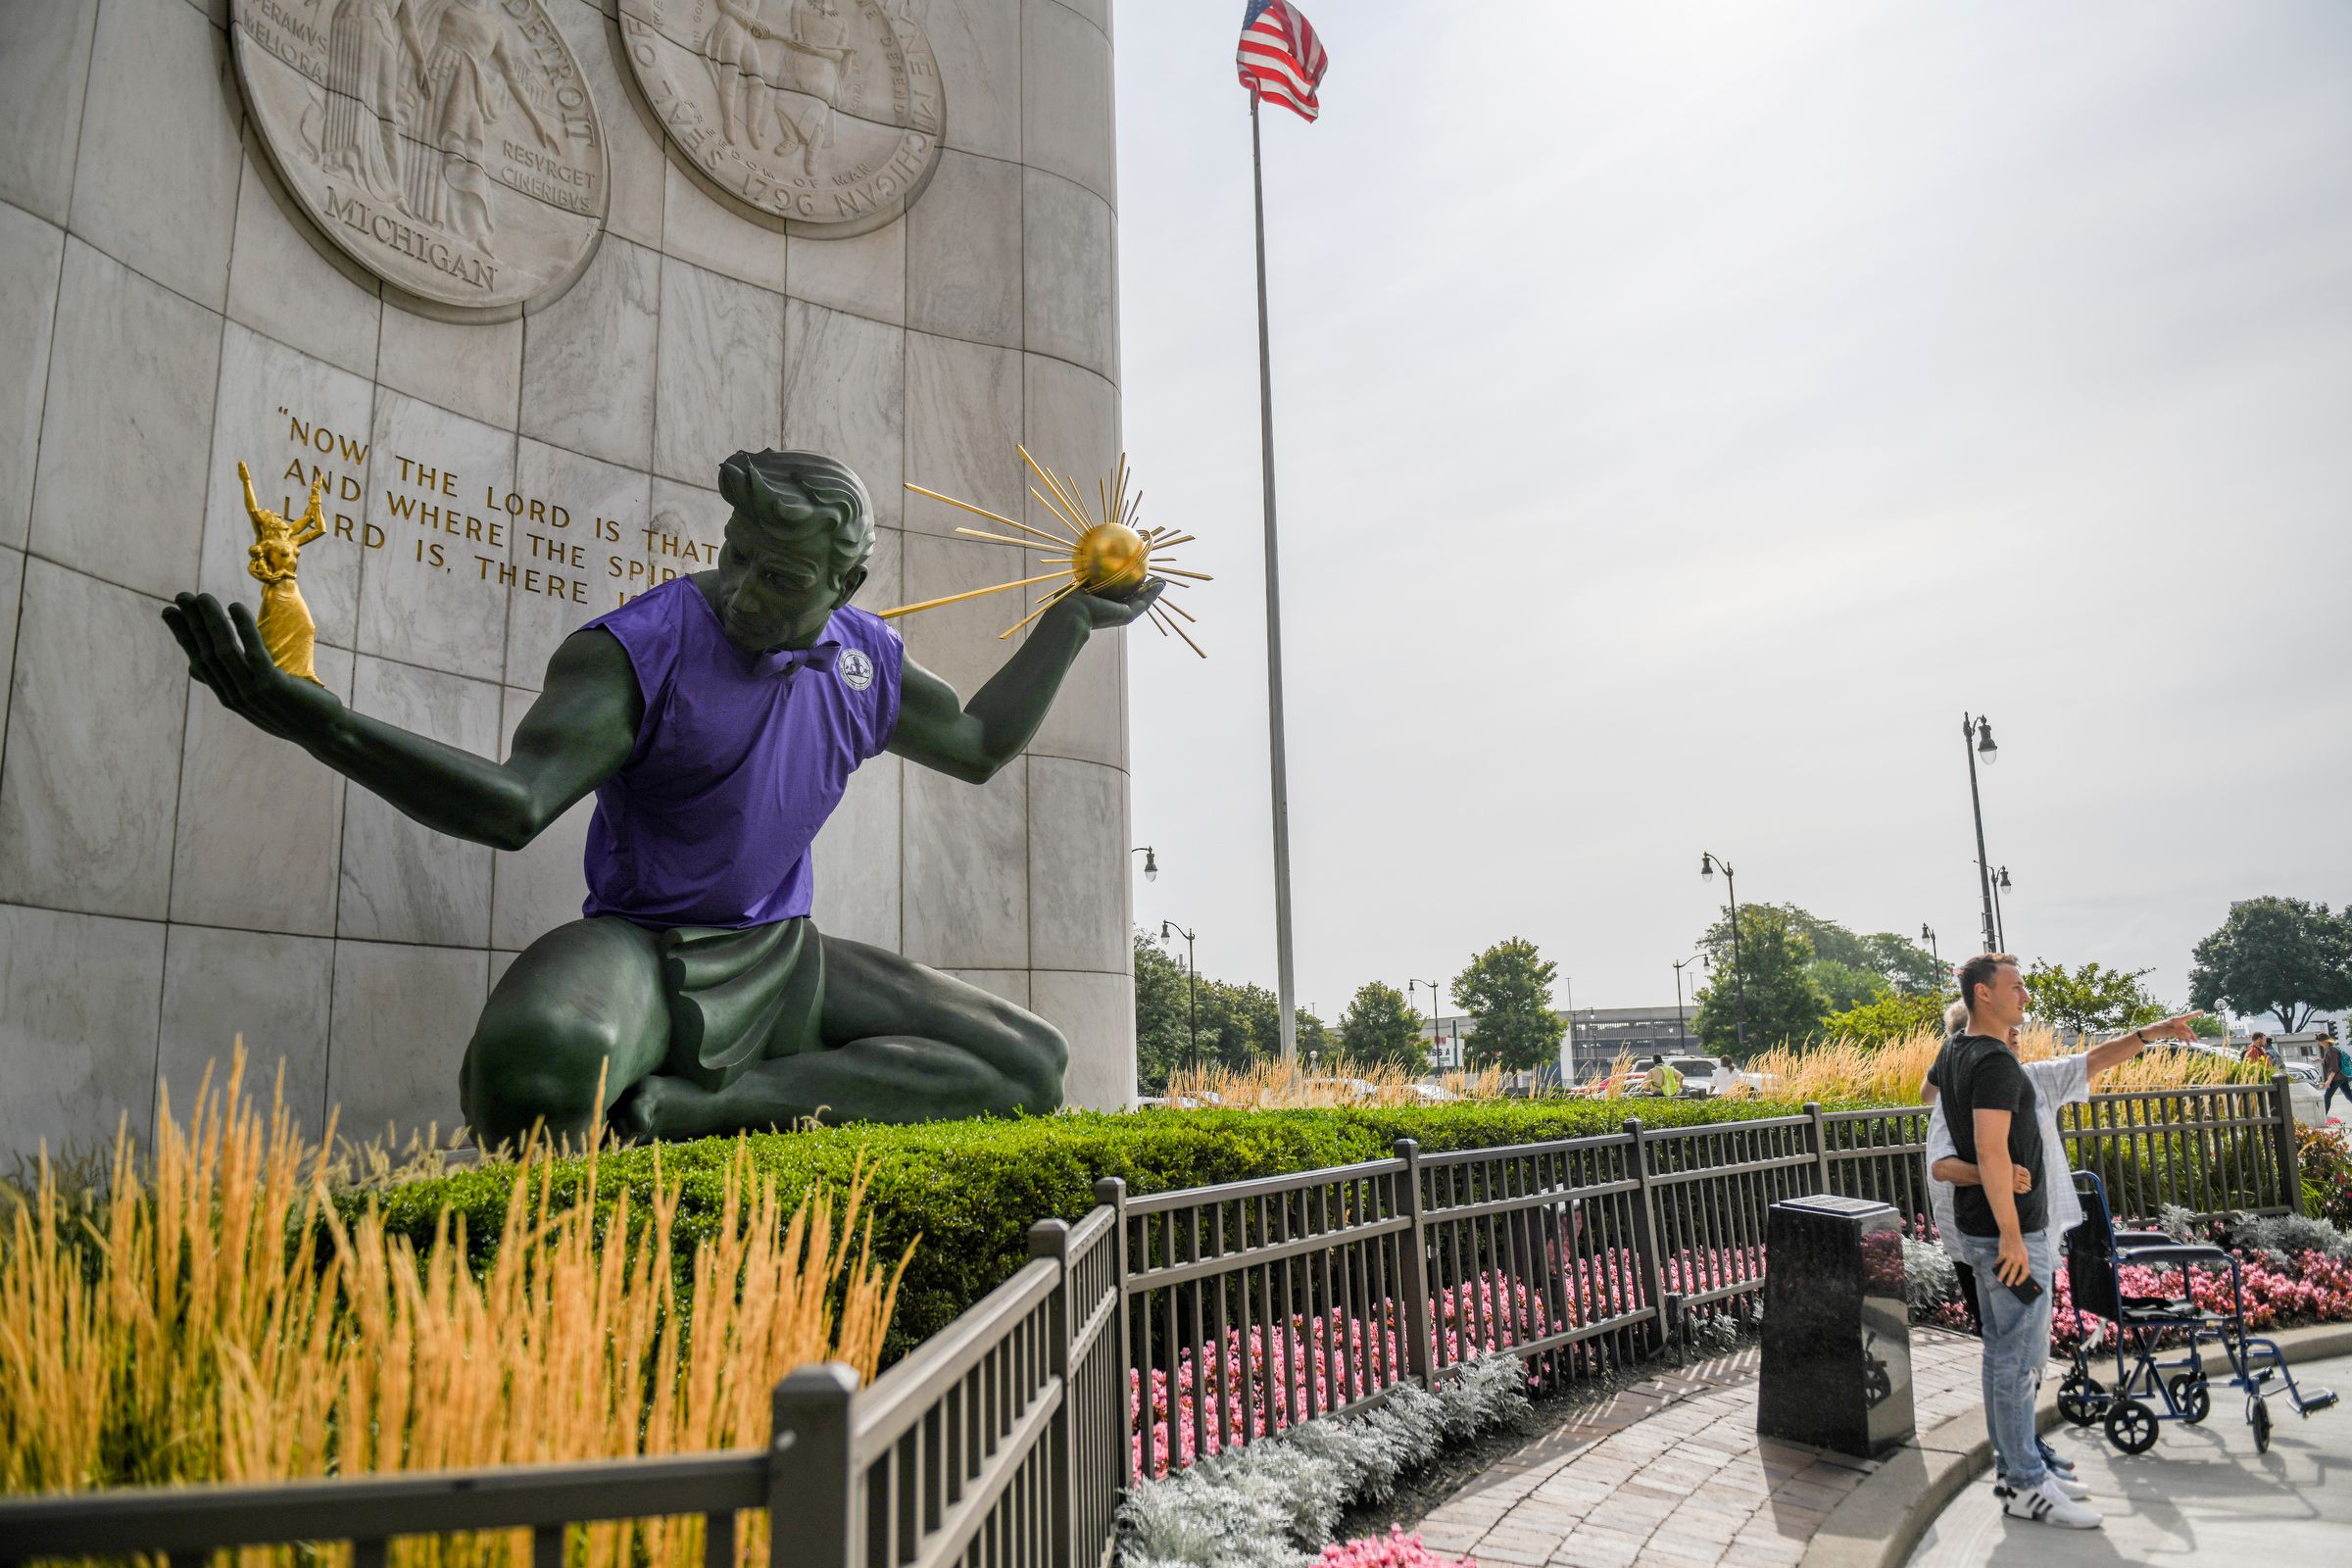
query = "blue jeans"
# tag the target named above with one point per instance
(2017, 1342)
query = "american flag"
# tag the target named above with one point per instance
(1281, 59)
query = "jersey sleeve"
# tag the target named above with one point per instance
(647, 629)
(882, 644)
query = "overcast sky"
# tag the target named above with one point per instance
(1684, 413)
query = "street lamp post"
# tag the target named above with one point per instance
(1192, 996)
(1707, 864)
(1927, 934)
(1976, 738)
(2000, 927)
(1151, 861)
(1681, 1026)
(1432, 986)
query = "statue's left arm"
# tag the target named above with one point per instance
(971, 740)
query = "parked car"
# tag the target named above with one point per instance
(1351, 1088)
(2302, 1079)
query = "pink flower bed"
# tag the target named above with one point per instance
(2317, 1289)
(1284, 1374)
(1396, 1549)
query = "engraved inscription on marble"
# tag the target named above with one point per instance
(449, 146)
(827, 114)
(467, 537)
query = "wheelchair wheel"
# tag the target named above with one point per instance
(2191, 1396)
(2131, 1426)
(2081, 1399)
(2261, 1417)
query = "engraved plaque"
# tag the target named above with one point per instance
(448, 146)
(826, 114)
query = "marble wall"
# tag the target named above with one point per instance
(170, 877)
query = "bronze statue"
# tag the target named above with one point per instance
(717, 719)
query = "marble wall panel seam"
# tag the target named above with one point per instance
(1068, 757)
(1082, 16)
(40, 429)
(179, 778)
(259, 929)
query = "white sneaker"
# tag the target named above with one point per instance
(2049, 1505)
(2072, 1488)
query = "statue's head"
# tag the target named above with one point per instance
(797, 546)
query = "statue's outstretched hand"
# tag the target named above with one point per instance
(225, 652)
(1102, 611)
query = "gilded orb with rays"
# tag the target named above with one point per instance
(1104, 552)
(1111, 558)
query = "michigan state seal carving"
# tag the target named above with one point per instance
(827, 114)
(451, 147)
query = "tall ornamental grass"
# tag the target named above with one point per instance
(1271, 1085)
(1891, 1073)
(212, 1315)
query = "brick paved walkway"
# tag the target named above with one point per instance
(1671, 1472)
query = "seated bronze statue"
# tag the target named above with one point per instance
(717, 717)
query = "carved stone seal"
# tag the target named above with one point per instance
(448, 146)
(826, 114)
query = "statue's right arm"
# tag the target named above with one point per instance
(577, 734)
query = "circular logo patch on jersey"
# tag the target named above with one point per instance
(856, 671)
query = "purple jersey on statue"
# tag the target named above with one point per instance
(739, 760)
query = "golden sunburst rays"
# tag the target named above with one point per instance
(1103, 550)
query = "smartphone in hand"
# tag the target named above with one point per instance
(2026, 1290)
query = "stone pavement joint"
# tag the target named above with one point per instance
(1671, 1471)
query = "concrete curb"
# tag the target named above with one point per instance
(1878, 1522)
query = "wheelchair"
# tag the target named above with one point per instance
(2149, 1388)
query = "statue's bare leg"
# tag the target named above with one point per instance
(901, 1044)
(583, 1000)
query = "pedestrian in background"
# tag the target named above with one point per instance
(2335, 1068)
(2258, 1049)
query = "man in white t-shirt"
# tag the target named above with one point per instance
(2057, 1081)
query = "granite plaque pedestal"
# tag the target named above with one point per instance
(1837, 1331)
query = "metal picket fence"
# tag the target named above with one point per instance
(1165, 1327)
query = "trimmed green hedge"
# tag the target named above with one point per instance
(969, 1189)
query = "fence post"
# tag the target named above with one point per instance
(812, 1475)
(1051, 1239)
(1112, 1190)
(1817, 1130)
(1645, 1235)
(1418, 1330)
(2291, 1159)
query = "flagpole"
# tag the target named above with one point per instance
(1282, 794)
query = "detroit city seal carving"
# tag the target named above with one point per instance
(826, 114)
(450, 147)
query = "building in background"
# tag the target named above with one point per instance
(1596, 1036)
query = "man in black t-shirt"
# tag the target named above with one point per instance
(2004, 1235)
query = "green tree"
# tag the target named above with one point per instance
(2279, 956)
(2090, 999)
(1508, 993)
(1159, 1015)
(1846, 985)
(1909, 968)
(2206, 1027)
(1380, 1025)
(1890, 1017)
(1238, 1024)
(1784, 1004)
